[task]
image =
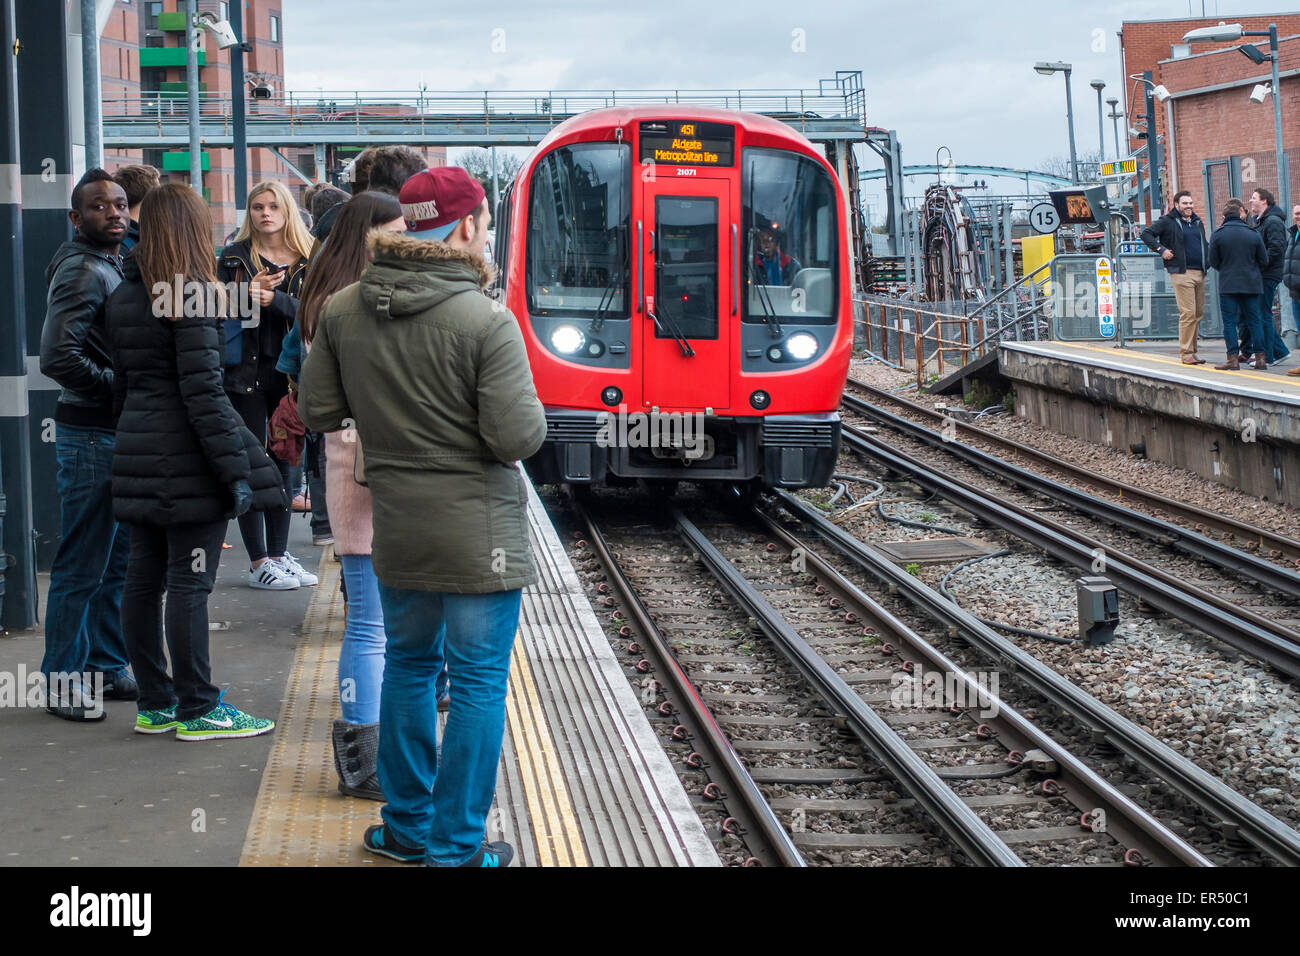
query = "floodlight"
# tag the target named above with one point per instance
(1255, 54)
(1160, 93)
(1260, 92)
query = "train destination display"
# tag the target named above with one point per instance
(688, 143)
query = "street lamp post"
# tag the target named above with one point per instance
(1047, 69)
(192, 94)
(1100, 85)
(1114, 115)
(1227, 32)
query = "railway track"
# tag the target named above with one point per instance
(1235, 814)
(980, 777)
(1267, 542)
(1220, 616)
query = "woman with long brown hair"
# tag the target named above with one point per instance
(268, 256)
(339, 263)
(183, 464)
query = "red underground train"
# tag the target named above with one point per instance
(682, 280)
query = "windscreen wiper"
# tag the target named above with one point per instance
(611, 288)
(763, 296)
(672, 328)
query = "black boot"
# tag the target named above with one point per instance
(356, 750)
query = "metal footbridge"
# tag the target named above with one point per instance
(834, 112)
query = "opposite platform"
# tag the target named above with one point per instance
(583, 779)
(1239, 428)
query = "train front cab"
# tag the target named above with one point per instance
(668, 299)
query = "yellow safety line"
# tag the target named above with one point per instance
(524, 754)
(1146, 356)
(568, 823)
(538, 763)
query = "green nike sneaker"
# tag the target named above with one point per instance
(156, 721)
(224, 721)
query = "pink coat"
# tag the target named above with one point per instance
(351, 516)
(351, 513)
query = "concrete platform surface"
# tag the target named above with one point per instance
(583, 779)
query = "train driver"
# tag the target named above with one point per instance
(770, 262)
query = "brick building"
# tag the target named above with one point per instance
(1217, 142)
(142, 70)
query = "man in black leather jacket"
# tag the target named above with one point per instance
(83, 629)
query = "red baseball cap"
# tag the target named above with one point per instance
(435, 200)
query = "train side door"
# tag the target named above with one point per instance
(688, 306)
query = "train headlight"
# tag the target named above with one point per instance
(760, 399)
(567, 340)
(801, 346)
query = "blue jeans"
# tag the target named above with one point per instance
(83, 612)
(1295, 315)
(361, 659)
(1276, 349)
(1240, 313)
(443, 808)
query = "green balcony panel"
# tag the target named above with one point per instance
(165, 56)
(172, 22)
(179, 161)
(177, 89)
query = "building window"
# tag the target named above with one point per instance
(275, 29)
(154, 41)
(223, 10)
(153, 9)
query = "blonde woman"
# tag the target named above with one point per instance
(270, 254)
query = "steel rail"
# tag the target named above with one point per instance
(1129, 823)
(1234, 811)
(1185, 539)
(1210, 613)
(948, 810)
(751, 808)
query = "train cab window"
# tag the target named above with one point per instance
(686, 266)
(790, 221)
(578, 260)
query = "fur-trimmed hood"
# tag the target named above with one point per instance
(409, 276)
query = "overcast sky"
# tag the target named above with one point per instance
(941, 72)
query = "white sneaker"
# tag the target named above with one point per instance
(269, 576)
(290, 565)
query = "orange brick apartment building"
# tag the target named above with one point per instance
(142, 59)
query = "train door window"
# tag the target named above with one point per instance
(790, 218)
(578, 257)
(686, 266)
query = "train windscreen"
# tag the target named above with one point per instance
(578, 260)
(790, 221)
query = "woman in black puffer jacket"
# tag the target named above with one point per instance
(183, 463)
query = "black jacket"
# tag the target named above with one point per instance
(1291, 264)
(1272, 228)
(1167, 233)
(1238, 252)
(74, 341)
(261, 346)
(179, 442)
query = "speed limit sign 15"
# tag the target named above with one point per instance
(1044, 218)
